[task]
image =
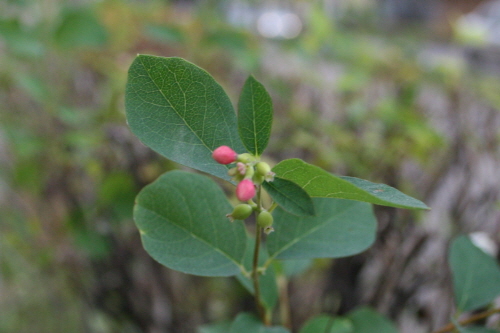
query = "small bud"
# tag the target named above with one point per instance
(245, 190)
(246, 158)
(242, 168)
(224, 155)
(265, 219)
(240, 212)
(262, 168)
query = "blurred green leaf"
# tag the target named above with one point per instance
(246, 322)
(183, 225)
(476, 275)
(178, 110)
(290, 196)
(328, 324)
(80, 27)
(164, 33)
(319, 183)
(366, 320)
(20, 39)
(292, 267)
(340, 228)
(255, 116)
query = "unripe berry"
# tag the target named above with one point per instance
(265, 219)
(245, 158)
(245, 190)
(240, 212)
(262, 168)
(224, 155)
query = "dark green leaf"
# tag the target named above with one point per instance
(319, 183)
(340, 228)
(255, 116)
(181, 218)
(290, 196)
(178, 110)
(366, 320)
(476, 275)
(246, 322)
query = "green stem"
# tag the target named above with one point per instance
(255, 267)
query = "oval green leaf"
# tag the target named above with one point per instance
(319, 183)
(255, 116)
(340, 228)
(181, 112)
(476, 275)
(290, 196)
(182, 220)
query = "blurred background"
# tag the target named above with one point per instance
(402, 92)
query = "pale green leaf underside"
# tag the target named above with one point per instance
(180, 111)
(476, 275)
(327, 324)
(319, 183)
(181, 218)
(255, 116)
(290, 196)
(340, 228)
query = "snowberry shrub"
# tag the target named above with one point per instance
(187, 223)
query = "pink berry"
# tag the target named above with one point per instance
(245, 190)
(224, 155)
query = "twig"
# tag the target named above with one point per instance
(467, 321)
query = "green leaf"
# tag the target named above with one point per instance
(80, 28)
(178, 110)
(366, 320)
(327, 324)
(290, 196)
(246, 322)
(340, 228)
(319, 183)
(181, 218)
(268, 287)
(476, 275)
(255, 116)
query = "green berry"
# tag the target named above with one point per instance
(262, 168)
(245, 158)
(241, 212)
(265, 219)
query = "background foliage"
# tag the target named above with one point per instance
(350, 96)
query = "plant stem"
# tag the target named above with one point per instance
(470, 320)
(255, 276)
(255, 266)
(284, 301)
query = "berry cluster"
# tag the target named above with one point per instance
(249, 173)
